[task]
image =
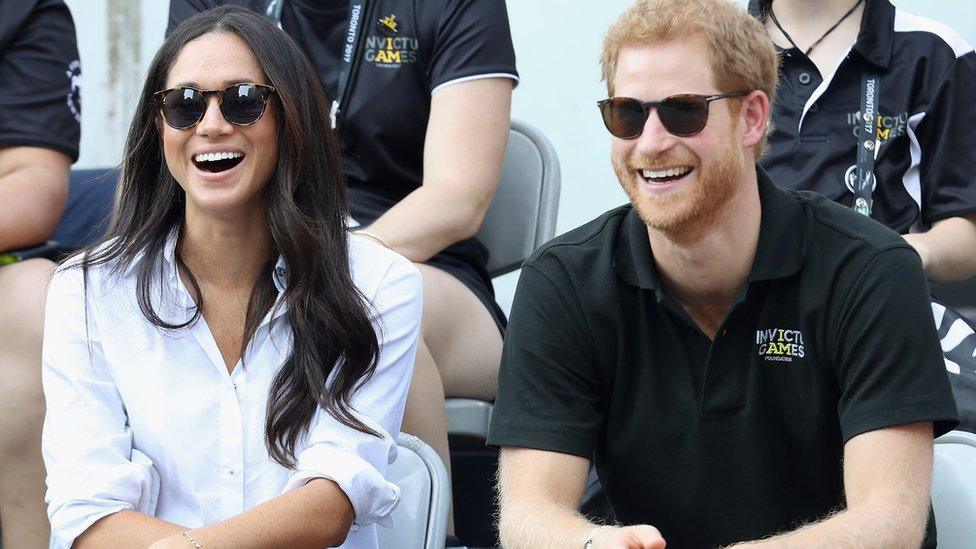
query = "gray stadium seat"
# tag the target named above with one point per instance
(420, 520)
(954, 490)
(522, 217)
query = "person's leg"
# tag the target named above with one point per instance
(23, 517)
(461, 335)
(458, 355)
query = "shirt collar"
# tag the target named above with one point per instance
(874, 40)
(782, 245)
(779, 254)
(632, 258)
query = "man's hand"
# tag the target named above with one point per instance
(628, 537)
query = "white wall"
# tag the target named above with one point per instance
(557, 43)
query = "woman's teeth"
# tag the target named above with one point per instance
(213, 157)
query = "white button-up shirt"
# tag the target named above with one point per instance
(148, 419)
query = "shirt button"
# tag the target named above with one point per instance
(804, 78)
(281, 271)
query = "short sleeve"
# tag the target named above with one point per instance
(356, 461)
(945, 136)
(549, 392)
(40, 99)
(473, 41)
(92, 469)
(889, 359)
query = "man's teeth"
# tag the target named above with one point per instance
(670, 172)
(213, 157)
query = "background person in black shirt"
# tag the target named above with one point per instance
(39, 133)
(926, 189)
(728, 352)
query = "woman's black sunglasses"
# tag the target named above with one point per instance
(240, 104)
(682, 115)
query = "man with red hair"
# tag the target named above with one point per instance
(727, 352)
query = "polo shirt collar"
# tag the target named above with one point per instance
(779, 254)
(781, 246)
(874, 40)
(632, 258)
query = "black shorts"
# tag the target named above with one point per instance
(466, 260)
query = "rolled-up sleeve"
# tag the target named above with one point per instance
(92, 470)
(358, 462)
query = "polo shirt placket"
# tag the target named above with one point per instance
(720, 367)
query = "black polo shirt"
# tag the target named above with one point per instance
(715, 442)
(926, 118)
(40, 76)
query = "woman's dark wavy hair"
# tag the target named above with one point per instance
(306, 214)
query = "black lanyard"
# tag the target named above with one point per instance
(867, 143)
(359, 12)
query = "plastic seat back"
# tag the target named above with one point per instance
(420, 520)
(954, 490)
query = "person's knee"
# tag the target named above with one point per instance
(433, 294)
(23, 288)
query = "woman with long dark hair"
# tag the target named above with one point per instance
(228, 368)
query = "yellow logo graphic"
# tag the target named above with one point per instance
(390, 52)
(389, 24)
(779, 345)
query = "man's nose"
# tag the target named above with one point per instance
(654, 138)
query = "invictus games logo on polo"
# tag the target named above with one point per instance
(393, 50)
(779, 345)
(887, 127)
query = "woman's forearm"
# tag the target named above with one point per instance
(315, 515)
(126, 529)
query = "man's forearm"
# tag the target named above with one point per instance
(870, 526)
(31, 202)
(542, 525)
(948, 249)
